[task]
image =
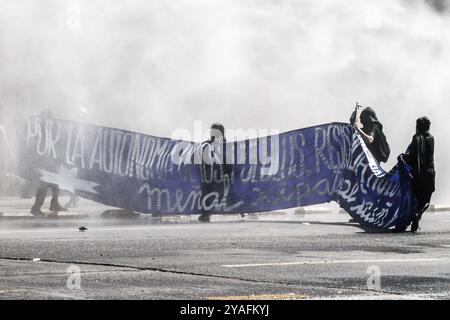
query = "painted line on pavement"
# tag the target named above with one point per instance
(262, 297)
(326, 262)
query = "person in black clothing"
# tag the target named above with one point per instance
(420, 156)
(43, 186)
(214, 170)
(371, 131)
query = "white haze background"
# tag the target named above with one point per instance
(157, 66)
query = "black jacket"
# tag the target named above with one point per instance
(420, 156)
(373, 127)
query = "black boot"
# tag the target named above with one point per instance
(415, 223)
(35, 211)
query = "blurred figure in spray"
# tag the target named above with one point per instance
(5, 157)
(371, 130)
(3, 140)
(215, 173)
(420, 156)
(43, 186)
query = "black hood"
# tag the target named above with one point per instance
(369, 118)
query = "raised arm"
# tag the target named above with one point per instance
(368, 139)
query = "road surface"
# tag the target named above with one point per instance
(264, 256)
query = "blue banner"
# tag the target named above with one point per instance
(151, 174)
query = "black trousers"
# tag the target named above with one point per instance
(423, 188)
(42, 193)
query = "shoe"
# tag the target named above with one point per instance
(415, 223)
(204, 217)
(57, 207)
(352, 220)
(37, 212)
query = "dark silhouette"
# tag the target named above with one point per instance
(420, 156)
(371, 131)
(214, 170)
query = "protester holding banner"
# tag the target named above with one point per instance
(371, 131)
(420, 156)
(214, 171)
(52, 166)
(156, 175)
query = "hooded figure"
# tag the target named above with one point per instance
(420, 156)
(372, 134)
(215, 173)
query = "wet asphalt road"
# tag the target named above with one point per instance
(278, 256)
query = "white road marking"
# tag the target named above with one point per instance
(327, 262)
(381, 296)
(268, 296)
